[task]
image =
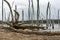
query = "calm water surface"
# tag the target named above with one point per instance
(56, 27)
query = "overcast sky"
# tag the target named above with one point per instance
(23, 4)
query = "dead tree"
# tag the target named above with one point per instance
(17, 16)
(10, 10)
(48, 8)
(58, 15)
(29, 11)
(22, 16)
(38, 11)
(32, 12)
(2, 10)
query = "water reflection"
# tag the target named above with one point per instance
(56, 27)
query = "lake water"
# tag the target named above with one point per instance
(56, 27)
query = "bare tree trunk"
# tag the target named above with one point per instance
(58, 16)
(10, 10)
(38, 12)
(17, 16)
(2, 10)
(29, 11)
(22, 16)
(15, 13)
(47, 16)
(32, 11)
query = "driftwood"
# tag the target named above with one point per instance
(50, 33)
(15, 24)
(28, 27)
(38, 33)
(8, 24)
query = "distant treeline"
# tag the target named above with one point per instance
(40, 21)
(34, 21)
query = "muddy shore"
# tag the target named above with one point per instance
(6, 34)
